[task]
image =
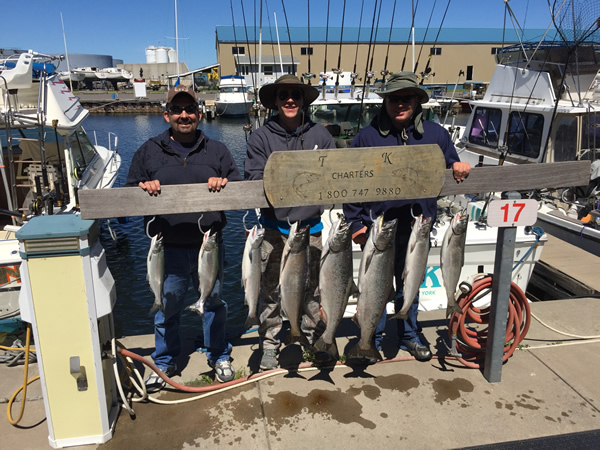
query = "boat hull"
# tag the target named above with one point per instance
(232, 109)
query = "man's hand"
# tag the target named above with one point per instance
(151, 187)
(216, 183)
(461, 170)
(360, 237)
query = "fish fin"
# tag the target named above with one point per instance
(399, 316)
(364, 356)
(251, 322)
(353, 289)
(355, 320)
(326, 352)
(317, 292)
(323, 314)
(368, 259)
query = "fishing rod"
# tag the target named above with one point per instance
(376, 31)
(338, 70)
(271, 35)
(424, 37)
(412, 27)
(427, 68)
(384, 72)
(308, 75)
(287, 25)
(324, 74)
(354, 74)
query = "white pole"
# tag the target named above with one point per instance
(278, 45)
(176, 41)
(66, 52)
(260, 74)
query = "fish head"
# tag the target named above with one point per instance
(298, 238)
(384, 233)
(424, 226)
(339, 235)
(257, 235)
(209, 241)
(460, 221)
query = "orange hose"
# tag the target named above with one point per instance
(471, 336)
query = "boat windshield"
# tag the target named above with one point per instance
(485, 127)
(525, 133)
(82, 150)
(343, 119)
(231, 90)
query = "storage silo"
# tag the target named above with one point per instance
(172, 55)
(151, 55)
(162, 55)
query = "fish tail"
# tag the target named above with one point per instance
(368, 355)
(324, 351)
(196, 308)
(297, 337)
(453, 308)
(251, 322)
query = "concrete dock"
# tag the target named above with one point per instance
(549, 392)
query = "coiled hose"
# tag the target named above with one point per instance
(470, 332)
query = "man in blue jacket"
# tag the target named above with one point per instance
(400, 122)
(289, 130)
(184, 155)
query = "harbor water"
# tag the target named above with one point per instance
(127, 253)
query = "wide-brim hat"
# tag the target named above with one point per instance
(181, 90)
(268, 92)
(400, 81)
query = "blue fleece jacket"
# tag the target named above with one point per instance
(157, 160)
(360, 213)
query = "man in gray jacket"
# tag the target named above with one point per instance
(289, 130)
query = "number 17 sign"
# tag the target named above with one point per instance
(512, 213)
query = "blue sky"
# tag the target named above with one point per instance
(124, 28)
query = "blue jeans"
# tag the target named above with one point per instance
(407, 329)
(181, 269)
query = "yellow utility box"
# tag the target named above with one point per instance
(67, 295)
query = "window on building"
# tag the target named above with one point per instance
(525, 133)
(435, 51)
(485, 128)
(306, 50)
(268, 70)
(496, 50)
(238, 50)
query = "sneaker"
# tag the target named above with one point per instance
(417, 349)
(224, 371)
(155, 383)
(269, 359)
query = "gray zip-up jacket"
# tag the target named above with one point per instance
(272, 137)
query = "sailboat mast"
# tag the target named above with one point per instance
(176, 41)
(413, 35)
(278, 44)
(260, 74)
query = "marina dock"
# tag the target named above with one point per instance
(548, 396)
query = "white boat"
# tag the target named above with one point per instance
(106, 73)
(538, 109)
(233, 97)
(47, 158)
(67, 76)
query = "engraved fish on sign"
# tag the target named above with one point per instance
(408, 175)
(303, 181)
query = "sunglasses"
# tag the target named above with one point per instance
(190, 109)
(400, 98)
(284, 95)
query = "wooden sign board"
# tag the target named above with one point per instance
(316, 177)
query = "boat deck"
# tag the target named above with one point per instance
(548, 390)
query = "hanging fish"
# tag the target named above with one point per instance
(415, 263)
(251, 273)
(293, 279)
(453, 257)
(208, 270)
(336, 284)
(375, 286)
(155, 267)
